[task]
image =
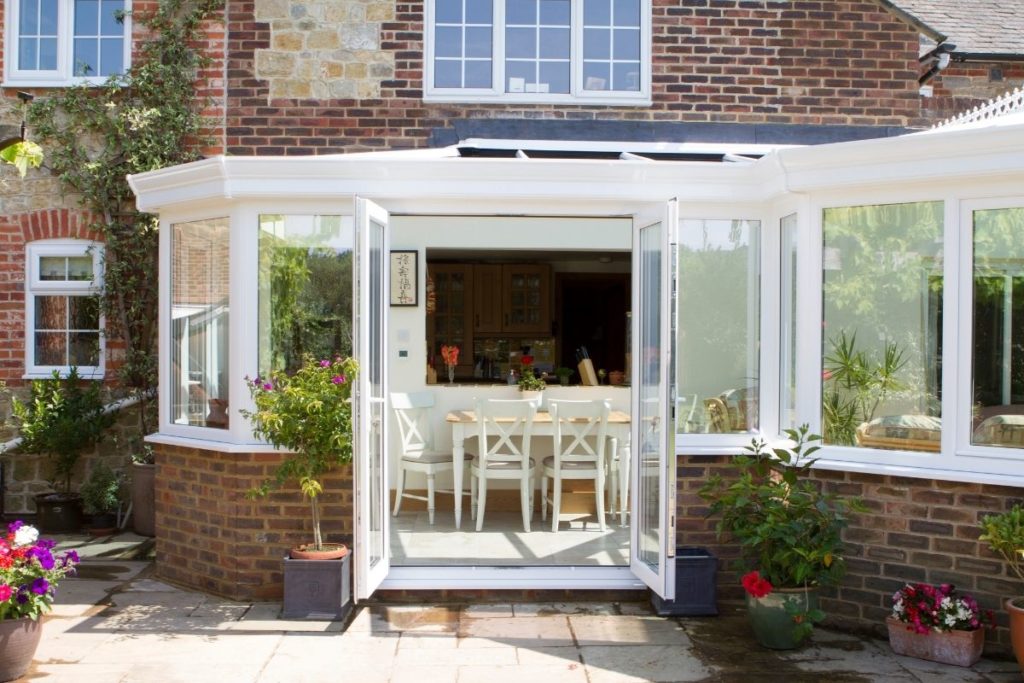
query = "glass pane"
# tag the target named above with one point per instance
(627, 44)
(882, 329)
(522, 76)
(521, 12)
(85, 59)
(48, 18)
(478, 73)
(596, 76)
(51, 313)
(719, 335)
(51, 348)
(48, 54)
(627, 12)
(554, 77)
(478, 11)
(597, 43)
(305, 289)
(447, 73)
(555, 12)
(83, 313)
(373, 365)
(998, 328)
(521, 42)
(478, 42)
(597, 12)
(28, 50)
(448, 11)
(199, 323)
(787, 400)
(109, 25)
(448, 41)
(87, 17)
(627, 76)
(79, 268)
(84, 349)
(554, 43)
(53, 268)
(28, 22)
(111, 56)
(650, 418)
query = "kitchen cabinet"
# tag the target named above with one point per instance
(451, 321)
(488, 312)
(526, 298)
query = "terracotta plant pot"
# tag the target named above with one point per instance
(317, 589)
(1015, 607)
(959, 648)
(773, 626)
(331, 551)
(19, 639)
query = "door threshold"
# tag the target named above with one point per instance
(511, 577)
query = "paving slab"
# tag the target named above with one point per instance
(542, 609)
(516, 632)
(424, 674)
(624, 630)
(640, 663)
(568, 673)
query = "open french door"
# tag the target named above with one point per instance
(653, 466)
(371, 557)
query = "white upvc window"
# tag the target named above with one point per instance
(538, 51)
(63, 42)
(63, 319)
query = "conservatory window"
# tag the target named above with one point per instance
(882, 326)
(718, 326)
(539, 50)
(788, 307)
(305, 289)
(199, 323)
(63, 318)
(997, 328)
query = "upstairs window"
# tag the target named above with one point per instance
(61, 42)
(62, 307)
(540, 51)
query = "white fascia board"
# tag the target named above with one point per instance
(940, 155)
(383, 175)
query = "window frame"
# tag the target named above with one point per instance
(34, 286)
(63, 75)
(576, 95)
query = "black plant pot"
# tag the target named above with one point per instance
(58, 513)
(317, 589)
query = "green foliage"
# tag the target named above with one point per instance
(23, 155)
(855, 385)
(309, 414)
(787, 526)
(1004, 534)
(61, 418)
(96, 136)
(530, 382)
(103, 491)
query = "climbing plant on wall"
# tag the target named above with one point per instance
(95, 136)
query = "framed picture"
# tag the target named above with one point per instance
(404, 278)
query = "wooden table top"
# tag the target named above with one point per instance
(469, 417)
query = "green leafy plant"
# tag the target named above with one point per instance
(855, 385)
(23, 155)
(563, 374)
(95, 136)
(529, 381)
(61, 418)
(1004, 534)
(103, 492)
(788, 528)
(308, 413)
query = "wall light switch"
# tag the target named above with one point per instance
(402, 353)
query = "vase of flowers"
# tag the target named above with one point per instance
(29, 573)
(530, 385)
(788, 530)
(938, 624)
(450, 356)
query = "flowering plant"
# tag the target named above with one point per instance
(29, 572)
(926, 608)
(309, 414)
(756, 585)
(450, 354)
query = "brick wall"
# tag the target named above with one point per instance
(963, 86)
(913, 530)
(211, 538)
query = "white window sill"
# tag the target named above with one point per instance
(55, 83)
(83, 373)
(627, 101)
(210, 444)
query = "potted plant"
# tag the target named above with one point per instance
(102, 495)
(28, 580)
(309, 414)
(563, 373)
(143, 491)
(61, 418)
(938, 624)
(530, 385)
(788, 529)
(1004, 534)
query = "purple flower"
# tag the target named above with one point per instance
(338, 379)
(15, 525)
(70, 557)
(40, 586)
(44, 556)
(325, 363)
(22, 595)
(268, 386)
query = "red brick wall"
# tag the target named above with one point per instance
(211, 538)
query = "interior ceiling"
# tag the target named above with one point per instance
(525, 255)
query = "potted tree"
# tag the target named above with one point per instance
(61, 418)
(789, 533)
(1004, 534)
(309, 415)
(102, 495)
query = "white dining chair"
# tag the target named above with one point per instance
(504, 428)
(413, 411)
(580, 431)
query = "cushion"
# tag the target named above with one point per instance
(1001, 430)
(902, 432)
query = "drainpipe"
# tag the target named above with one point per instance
(938, 58)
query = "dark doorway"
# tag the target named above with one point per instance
(592, 308)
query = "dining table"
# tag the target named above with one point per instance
(464, 426)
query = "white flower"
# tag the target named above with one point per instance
(26, 535)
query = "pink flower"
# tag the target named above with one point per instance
(338, 379)
(5, 592)
(325, 363)
(268, 386)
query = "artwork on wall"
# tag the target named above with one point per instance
(404, 278)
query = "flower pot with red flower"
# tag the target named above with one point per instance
(788, 530)
(308, 415)
(29, 574)
(450, 356)
(530, 385)
(1004, 534)
(938, 624)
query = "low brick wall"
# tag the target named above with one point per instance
(210, 537)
